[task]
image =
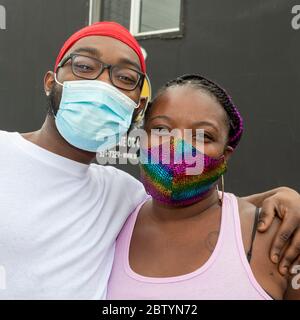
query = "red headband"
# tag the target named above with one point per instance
(109, 29)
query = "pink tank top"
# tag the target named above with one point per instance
(226, 274)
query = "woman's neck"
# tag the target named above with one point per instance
(170, 213)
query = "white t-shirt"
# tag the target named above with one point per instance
(59, 220)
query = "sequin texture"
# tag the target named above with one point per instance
(166, 179)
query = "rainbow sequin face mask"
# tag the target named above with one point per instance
(178, 174)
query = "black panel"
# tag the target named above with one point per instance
(36, 29)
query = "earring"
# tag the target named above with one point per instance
(222, 186)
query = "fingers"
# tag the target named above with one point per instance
(281, 240)
(267, 214)
(291, 254)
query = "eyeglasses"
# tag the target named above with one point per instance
(90, 68)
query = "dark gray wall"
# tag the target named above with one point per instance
(36, 29)
(249, 47)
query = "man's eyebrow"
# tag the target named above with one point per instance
(130, 62)
(90, 50)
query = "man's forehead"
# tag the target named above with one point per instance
(103, 47)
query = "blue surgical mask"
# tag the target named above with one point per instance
(93, 115)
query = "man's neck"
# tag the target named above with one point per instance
(49, 138)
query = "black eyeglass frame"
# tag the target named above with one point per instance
(104, 66)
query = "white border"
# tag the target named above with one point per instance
(134, 19)
(2, 17)
(157, 32)
(135, 16)
(91, 12)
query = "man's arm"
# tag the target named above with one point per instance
(285, 203)
(258, 198)
(293, 290)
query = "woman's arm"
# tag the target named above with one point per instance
(283, 202)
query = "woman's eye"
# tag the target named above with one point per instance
(207, 137)
(203, 137)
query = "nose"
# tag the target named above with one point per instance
(104, 76)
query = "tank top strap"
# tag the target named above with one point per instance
(230, 210)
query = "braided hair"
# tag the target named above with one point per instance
(202, 83)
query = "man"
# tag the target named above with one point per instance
(60, 214)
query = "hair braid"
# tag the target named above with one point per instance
(198, 81)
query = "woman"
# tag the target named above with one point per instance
(188, 240)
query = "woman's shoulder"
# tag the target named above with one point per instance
(247, 219)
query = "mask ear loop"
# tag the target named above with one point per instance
(222, 185)
(55, 78)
